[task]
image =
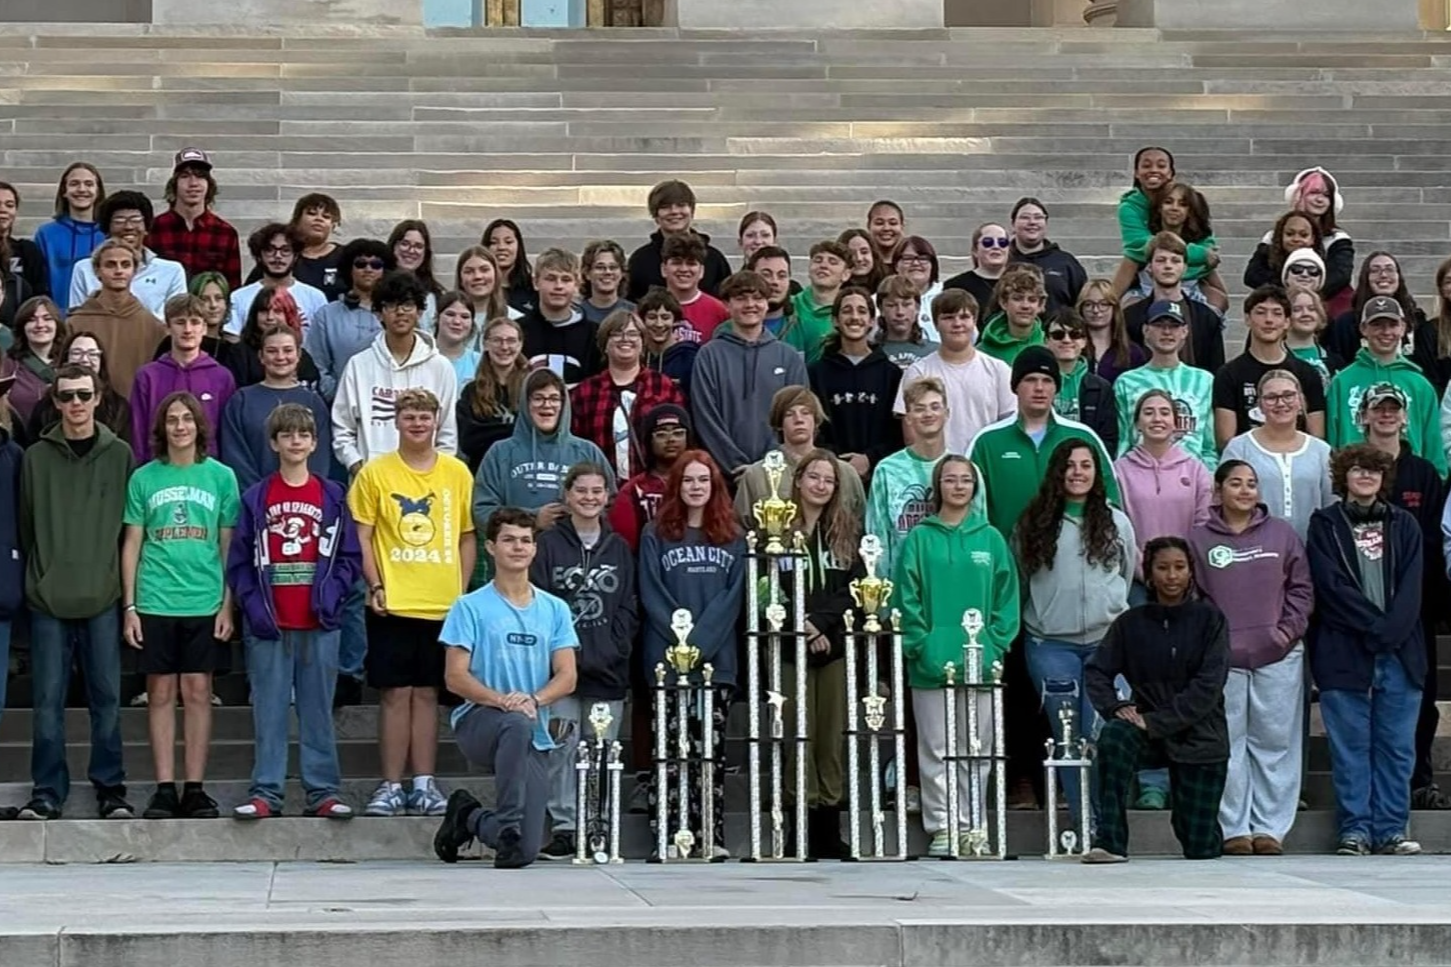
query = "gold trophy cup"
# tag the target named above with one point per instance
(871, 593)
(773, 513)
(682, 656)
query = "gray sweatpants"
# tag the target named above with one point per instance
(503, 742)
(563, 775)
(1263, 710)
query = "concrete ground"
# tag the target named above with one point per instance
(1264, 911)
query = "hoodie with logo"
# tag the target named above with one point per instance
(64, 241)
(156, 280)
(598, 584)
(206, 379)
(527, 470)
(364, 412)
(1423, 419)
(942, 571)
(570, 349)
(644, 268)
(1163, 498)
(706, 579)
(731, 393)
(1063, 275)
(1260, 579)
(858, 398)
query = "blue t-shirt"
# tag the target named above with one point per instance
(510, 649)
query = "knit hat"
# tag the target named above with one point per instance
(1036, 359)
(1302, 255)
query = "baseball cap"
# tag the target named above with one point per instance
(1382, 307)
(191, 156)
(1164, 309)
(1382, 393)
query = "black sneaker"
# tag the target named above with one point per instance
(163, 804)
(1352, 846)
(196, 804)
(113, 805)
(348, 691)
(561, 846)
(1430, 797)
(39, 808)
(509, 855)
(453, 833)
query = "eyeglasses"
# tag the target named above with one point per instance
(1381, 270)
(71, 395)
(1280, 399)
(1365, 471)
(1096, 305)
(914, 260)
(547, 400)
(283, 250)
(503, 341)
(629, 336)
(78, 354)
(128, 221)
(1003, 242)
(1061, 334)
(1304, 268)
(669, 433)
(375, 264)
(411, 247)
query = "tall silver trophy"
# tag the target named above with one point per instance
(675, 838)
(599, 770)
(871, 595)
(983, 766)
(784, 627)
(1072, 753)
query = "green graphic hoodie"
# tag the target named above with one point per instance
(1348, 387)
(943, 571)
(997, 338)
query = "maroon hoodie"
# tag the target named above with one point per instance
(1260, 579)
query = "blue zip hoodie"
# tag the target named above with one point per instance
(706, 580)
(339, 562)
(527, 470)
(64, 241)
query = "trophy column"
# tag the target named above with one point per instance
(1072, 753)
(871, 595)
(599, 770)
(687, 694)
(981, 699)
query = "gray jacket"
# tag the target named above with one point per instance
(1073, 601)
(731, 390)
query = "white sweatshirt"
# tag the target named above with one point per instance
(363, 410)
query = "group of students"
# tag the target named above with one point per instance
(314, 451)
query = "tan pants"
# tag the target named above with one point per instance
(825, 728)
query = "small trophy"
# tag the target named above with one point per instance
(772, 513)
(684, 843)
(776, 616)
(875, 711)
(682, 655)
(972, 651)
(600, 720)
(871, 593)
(778, 725)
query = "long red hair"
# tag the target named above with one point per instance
(719, 521)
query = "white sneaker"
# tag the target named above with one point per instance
(941, 844)
(388, 800)
(426, 800)
(914, 801)
(1398, 846)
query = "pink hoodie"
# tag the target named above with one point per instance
(1163, 498)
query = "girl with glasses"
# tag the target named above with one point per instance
(1109, 348)
(1292, 467)
(990, 244)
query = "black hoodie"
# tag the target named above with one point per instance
(858, 399)
(828, 596)
(1417, 489)
(645, 270)
(599, 586)
(570, 348)
(1063, 275)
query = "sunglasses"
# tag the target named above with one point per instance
(1003, 242)
(1060, 333)
(375, 264)
(1302, 268)
(71, 395)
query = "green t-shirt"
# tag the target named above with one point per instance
(181, 511)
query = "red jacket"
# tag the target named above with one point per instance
(593, 404)
(635, 506)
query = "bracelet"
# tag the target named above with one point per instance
(129, 609)
(374, 589)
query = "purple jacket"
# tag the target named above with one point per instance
(1260, 579)
(206, 379)
(339, 562)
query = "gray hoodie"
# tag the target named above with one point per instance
(1073, 601)
(527, 470)
(731, 390)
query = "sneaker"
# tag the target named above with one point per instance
(509, 855)
(453, 833)
(914, 801)
(196, 804)
(1352, 846)
(1268, 846)
(349, 691)
(388, 800)
(964, 844)
(426, 800)
(255, 808)
(719, 852)
(39, 808)
(330, 808)
(140, 701)
(1430, 797)
(163, 804)
(941, 844)
(1152, 799)
(561, 846)
(1398, 846)
(1239, 846)
(1098, 856)
(113, 805)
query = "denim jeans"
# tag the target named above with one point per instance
(1056, 668)
(353, 645)
(303, 664)
(1372, 737)
(55, 644)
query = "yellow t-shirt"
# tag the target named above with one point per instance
(417, 518)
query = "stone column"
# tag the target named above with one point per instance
(755, 15)
(1383, 16)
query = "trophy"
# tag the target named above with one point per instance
(599, 770)
(871, 593)
(682, 658)
(773, 513)
(1070, 755)
(986, 758)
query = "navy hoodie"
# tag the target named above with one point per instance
(858, 399)
(12, 563)
(245, 445)
(706, 580)
(339, 562)
(599, 586)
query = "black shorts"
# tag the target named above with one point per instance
(180, 646)
(403, 652)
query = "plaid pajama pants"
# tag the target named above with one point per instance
(1195, 792)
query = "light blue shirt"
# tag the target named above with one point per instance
(466, 365)
(510, 649)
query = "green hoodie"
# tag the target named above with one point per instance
(809, 326)
(1066, 402)
(1423, 421)
(942, 572)
(70, 523)
(1133, 226)
(997, 338)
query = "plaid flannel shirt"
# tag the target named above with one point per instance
(211, 246)
(592, 405)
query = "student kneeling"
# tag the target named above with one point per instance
(511, 655)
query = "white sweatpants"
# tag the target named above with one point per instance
(1264, 708)
(930, 707)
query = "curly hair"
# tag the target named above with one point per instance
(1361, 455)
(1278, 254)
(1042, 521)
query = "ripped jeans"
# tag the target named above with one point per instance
(1056, 668)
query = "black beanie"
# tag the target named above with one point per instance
(1036, 359)
(663, 413)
